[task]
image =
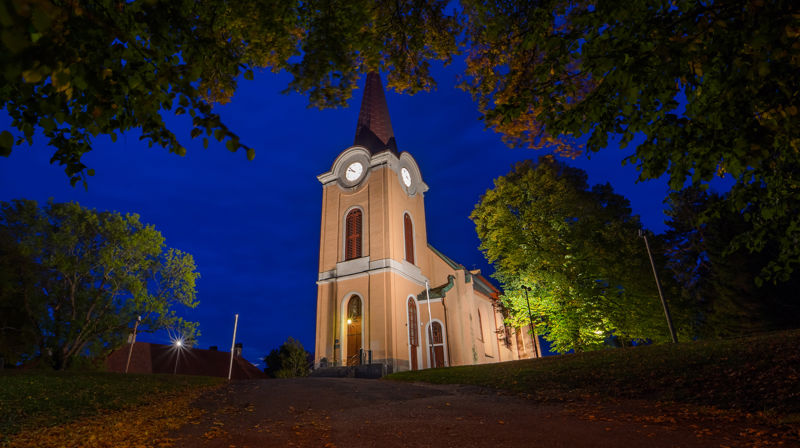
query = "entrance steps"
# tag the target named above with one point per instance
(362, 371)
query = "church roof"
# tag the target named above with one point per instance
(374, 128)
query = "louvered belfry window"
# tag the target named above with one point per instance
(409, 233)
(353, 238)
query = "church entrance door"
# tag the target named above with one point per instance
(354, 331)
(437, 345)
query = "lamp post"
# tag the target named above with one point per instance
(178, 346)
(133, 341)
(660, 294)
(233, 345)
(530, 319)
(430, 327)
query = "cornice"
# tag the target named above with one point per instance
(360, 267)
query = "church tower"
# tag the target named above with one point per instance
(373, 304)
(372, 219)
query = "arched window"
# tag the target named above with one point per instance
(413, 333)
(437, 345)
(408, 227)
(354, 331)
(353, 235)
(480, 326)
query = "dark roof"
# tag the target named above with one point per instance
(450, 262)
(158, 358)
(482, 283)
(374, 128)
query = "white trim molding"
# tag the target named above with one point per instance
(347, 270)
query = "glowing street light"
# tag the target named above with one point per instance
(177, 344)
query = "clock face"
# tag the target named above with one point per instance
(406, 177)
(354, 171)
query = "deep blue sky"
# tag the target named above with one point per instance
(253, 226)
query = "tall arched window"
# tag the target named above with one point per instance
(354, 331)
(352, 248)
(408, 227)
(413, 334)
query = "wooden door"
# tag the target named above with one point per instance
(353, 332)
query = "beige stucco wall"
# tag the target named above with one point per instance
(385, 280)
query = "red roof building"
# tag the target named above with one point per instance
(159, 358)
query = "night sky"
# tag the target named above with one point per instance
(253, 226)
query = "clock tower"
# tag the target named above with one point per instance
(384, 295)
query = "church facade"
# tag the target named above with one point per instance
(384, 295)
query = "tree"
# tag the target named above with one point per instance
(577, 248)
(712, 87)
(17, 281)
(85, 277)
(287, 361)
(725, 286)
(78, 69)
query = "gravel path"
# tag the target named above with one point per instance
(342, 412)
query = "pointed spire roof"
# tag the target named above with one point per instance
(374, 128)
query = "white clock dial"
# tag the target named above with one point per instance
(406, 177)
(354, 171)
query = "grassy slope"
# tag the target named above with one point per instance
(758, 373)
(32, 399)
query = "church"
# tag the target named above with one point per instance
(385, 296)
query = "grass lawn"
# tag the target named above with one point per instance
(753, 374)
(34, 399)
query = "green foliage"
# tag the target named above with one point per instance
(719, 373)
(577, 248)
(17, 280)
(79, 69)
(725, 284)
(31, 400)
(288, 361)
(85, 277)
(713, 87)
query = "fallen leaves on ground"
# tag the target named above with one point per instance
(741, 428)
(142, 426)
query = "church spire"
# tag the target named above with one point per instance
(374, 128)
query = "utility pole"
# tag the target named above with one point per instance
(431, 351)
(133, 341)
(658, 285)
(530, 320)
(233, 346)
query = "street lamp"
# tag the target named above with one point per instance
(530, 319)
(178, 344)
(658, 285)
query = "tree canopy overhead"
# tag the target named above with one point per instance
(74, 280)
(78, 69)
(712, 87)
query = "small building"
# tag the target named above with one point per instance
(384, 294)
(159, 358)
